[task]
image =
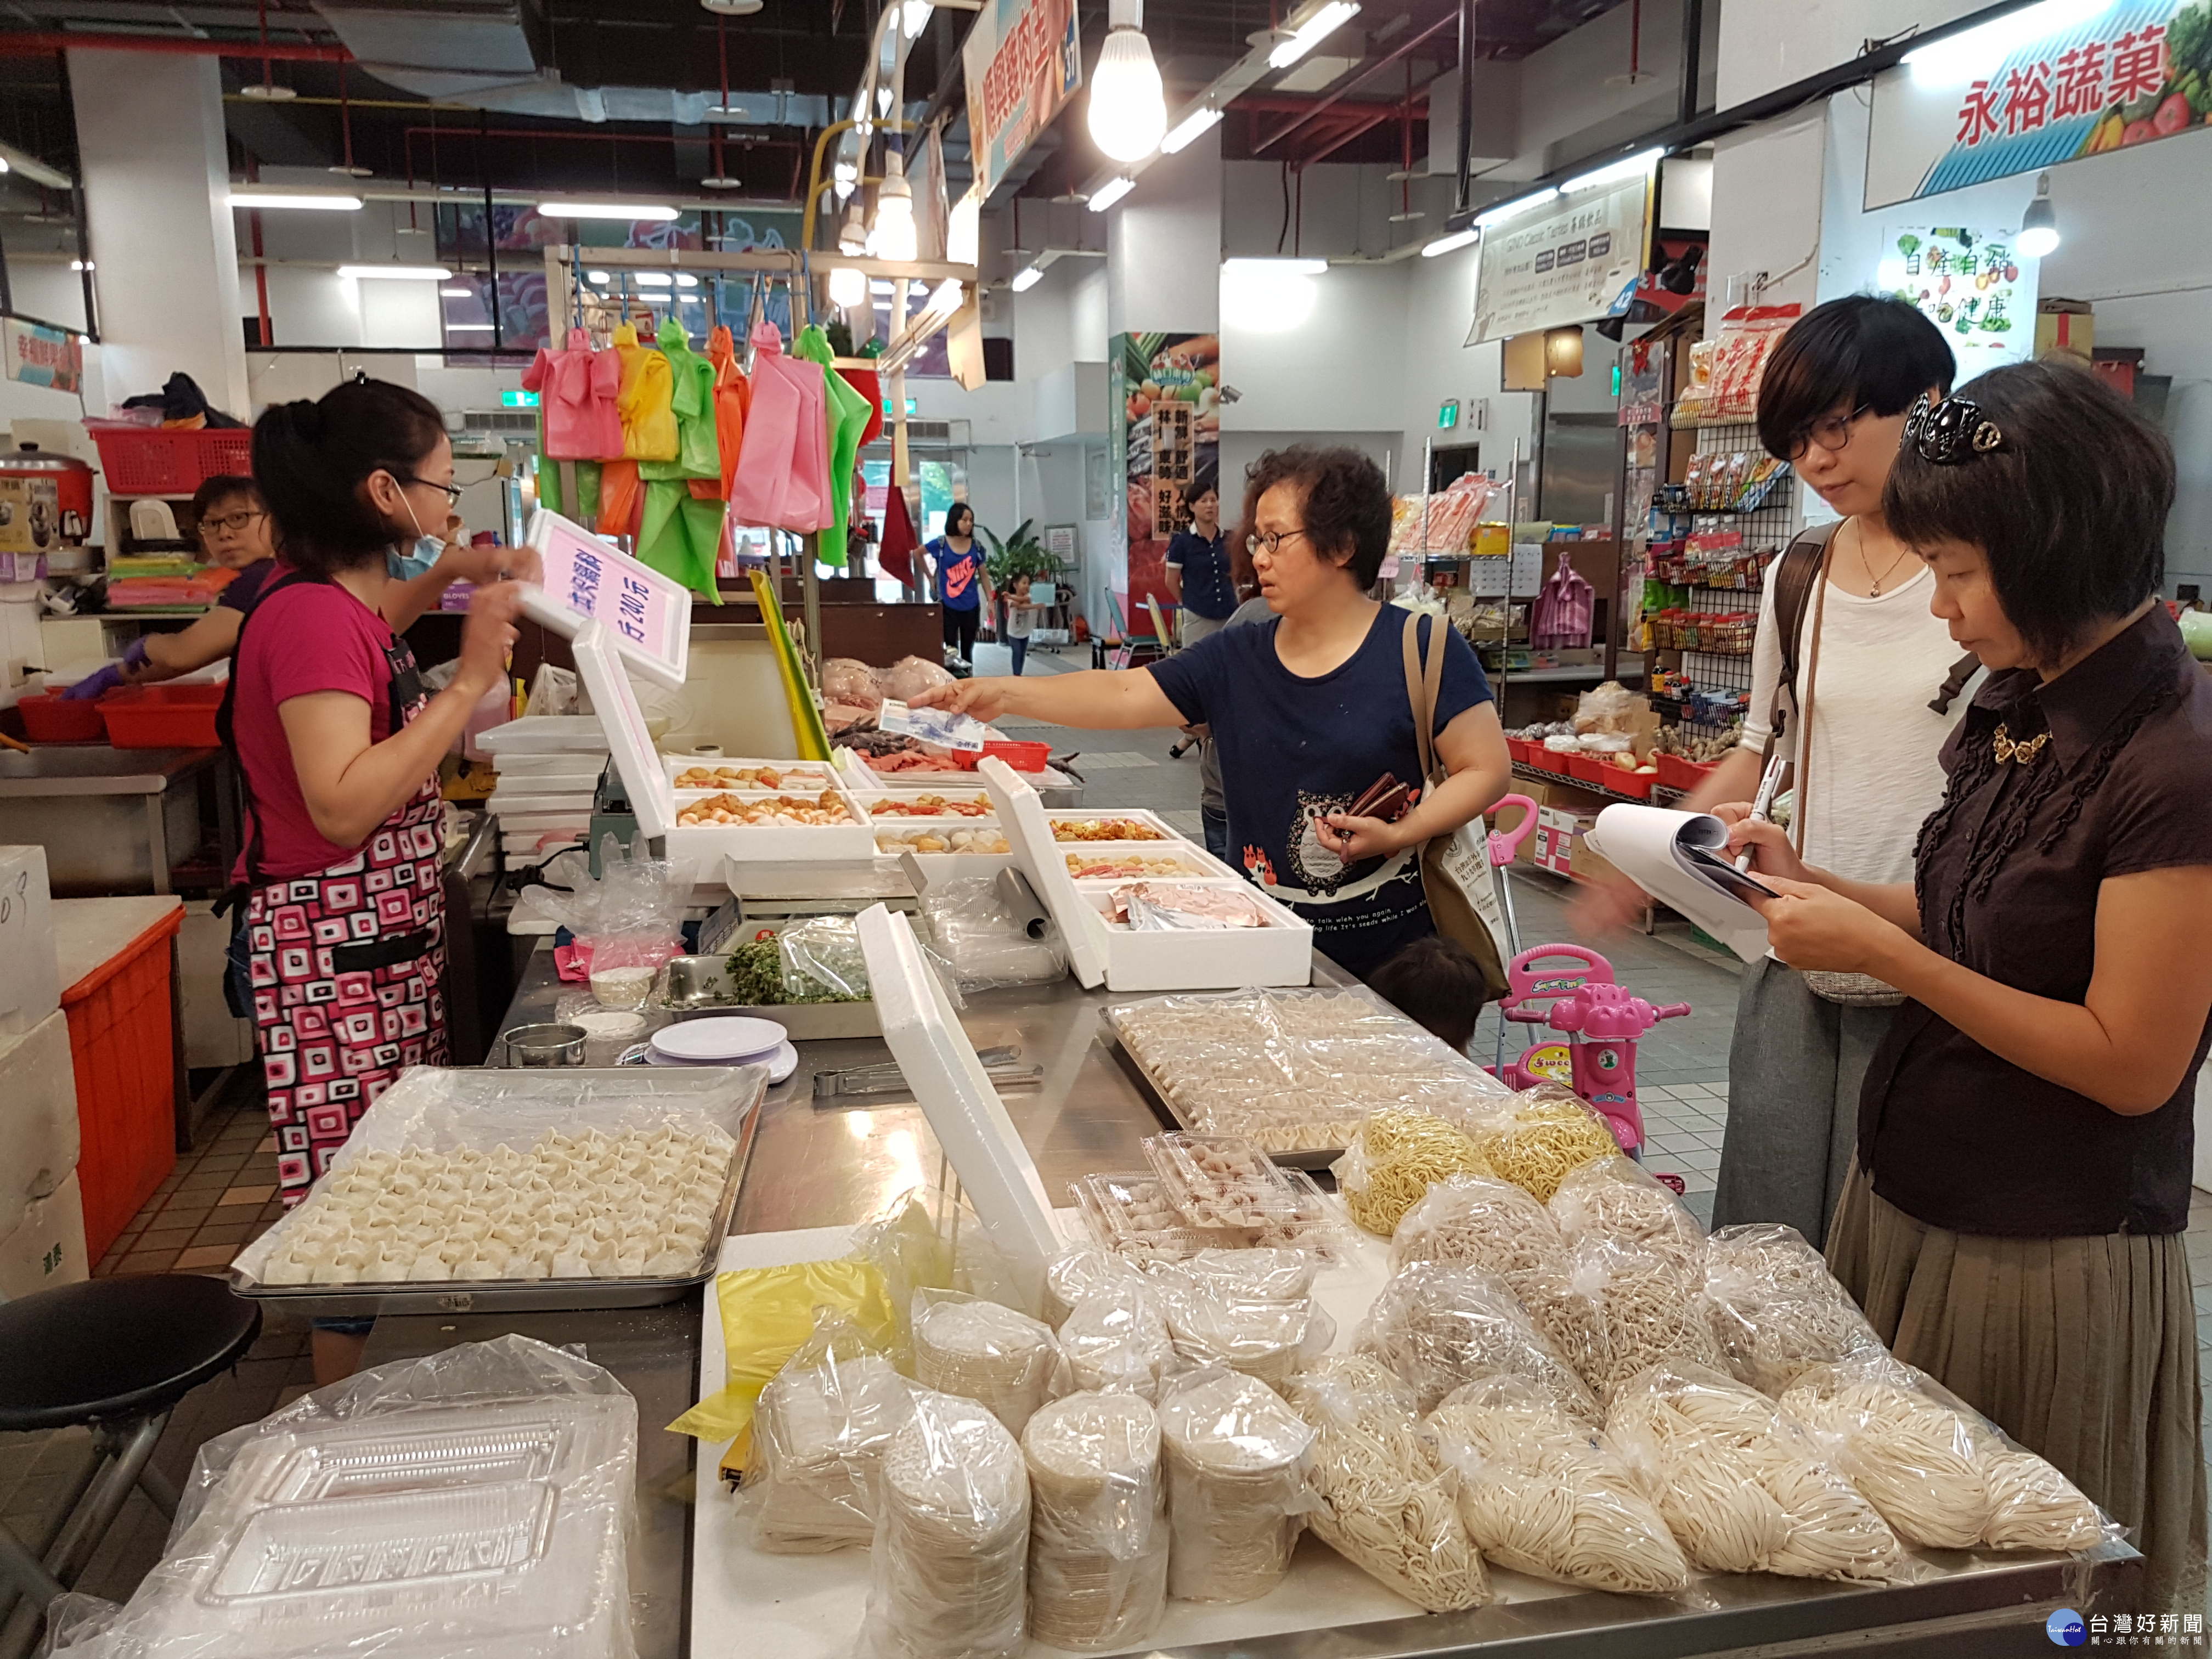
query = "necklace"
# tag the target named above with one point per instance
(1874, 582)
(2006, 747)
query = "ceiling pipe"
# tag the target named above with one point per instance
(1352, 85)
(46, 42)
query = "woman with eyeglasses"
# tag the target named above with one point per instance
(1309, 710)
(2013, 1220)
(1845, 666)
(341, 943)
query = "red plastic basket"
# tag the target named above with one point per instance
(1021, 756)
(122, 1048)
(48, 718)
(1588, 768)
(150, 461)
(163, 716)
(1675, 773)
(1637, 786)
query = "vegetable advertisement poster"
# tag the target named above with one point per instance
(1165, 393)
(1974, 284)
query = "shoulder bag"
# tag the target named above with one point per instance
(1455, 872)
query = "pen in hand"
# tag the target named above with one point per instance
(1762, 805)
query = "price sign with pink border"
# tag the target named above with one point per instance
(648, 616)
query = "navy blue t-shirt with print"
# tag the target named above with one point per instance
(1208, 588)
(1293, 749)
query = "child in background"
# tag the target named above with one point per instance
(1437, 985)
(1021, 619)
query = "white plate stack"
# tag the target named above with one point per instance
(728, 1041)
(549, 769)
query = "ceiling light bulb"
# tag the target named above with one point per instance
(895, 237)
(685, 279)
(848, 287)
(599, 277)
(913, 18)
(630, 210)
(845, 171)
(654, 279)
(398, 273)
(1110, 193)
(1311, 32)
(854, 238)
(1129, 107)
(1028, 277)
(946, 299)
(1450, 244)
(2039, 226)
(1192, 127)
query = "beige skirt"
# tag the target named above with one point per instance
(2084, 1350)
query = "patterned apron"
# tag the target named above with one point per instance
(345, 965)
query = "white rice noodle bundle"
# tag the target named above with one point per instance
(1742, 1488)
(1542, 1494)
(1236, 1458)
(1385, 1503)
(1939, 1474)
(1439, 1326)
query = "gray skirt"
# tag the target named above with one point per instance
(2084, 1350)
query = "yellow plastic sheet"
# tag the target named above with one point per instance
(766, 1312)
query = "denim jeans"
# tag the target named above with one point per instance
(1216, 825)
(1020, 647)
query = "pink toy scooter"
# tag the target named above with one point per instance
(1602, 1021)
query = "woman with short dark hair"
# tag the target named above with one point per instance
(2013, 1220)
(1308, 709)
(1857, 722)
(961, 584)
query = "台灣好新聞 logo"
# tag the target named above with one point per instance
(2067, 1628)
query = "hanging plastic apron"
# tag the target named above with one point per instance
(344, 965)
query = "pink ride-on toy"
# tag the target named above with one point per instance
(1577, 995)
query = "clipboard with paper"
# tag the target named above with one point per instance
(1681, 859)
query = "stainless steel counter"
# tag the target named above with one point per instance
(118, 820)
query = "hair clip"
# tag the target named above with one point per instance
(1951, 431)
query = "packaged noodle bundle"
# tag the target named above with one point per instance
(1098, 1528)
(1236, 1458)
(1084, 1271)
(1651, 1308)
(1480, 1221)
(1438, 1326)
(951, 1563)
(983, 1351)
(819, 1435)
(1265, 1340)
(1543, 1135)
(1400, 1155)
(1385, 1504)
(1776, 1310)
(1742, 1488)
(1612, 1198)
(1542, 1494)
(1119, 1342)
(1937, 1471)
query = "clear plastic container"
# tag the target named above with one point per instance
(1221, 1181)
(1135, 1216)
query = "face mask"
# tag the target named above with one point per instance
(403, 567)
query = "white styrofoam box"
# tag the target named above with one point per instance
(38, 1113)
(938, 868)
(707, 844)
(546, 734)
(46, 1248)
(1124, 959)
(30, 979)
(505, 806)
(214, 1035)
(798, 775)
(538, 823)
(555, 764)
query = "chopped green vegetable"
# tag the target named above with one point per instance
(757, 972)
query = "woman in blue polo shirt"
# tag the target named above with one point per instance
(1199, 576)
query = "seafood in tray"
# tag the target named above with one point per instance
(1104, 829)
(828, 807)
(930, 806)
(1126, 866)
(1154, 906)
(1293, 1070)
(984, 839)
(704, 776)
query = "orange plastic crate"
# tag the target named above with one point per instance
(122, 1048)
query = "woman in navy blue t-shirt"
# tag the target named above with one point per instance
(1308, 709)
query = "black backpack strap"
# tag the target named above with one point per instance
(226, 734)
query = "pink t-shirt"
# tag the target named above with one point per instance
(302, 638)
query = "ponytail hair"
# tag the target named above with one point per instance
(312, 457)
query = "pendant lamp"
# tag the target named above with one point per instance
(894, 233)
(1129, 109)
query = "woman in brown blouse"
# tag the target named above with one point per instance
(2013, 1220)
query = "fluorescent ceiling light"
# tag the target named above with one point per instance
(598, 276)
(1311, 32)
(655, 279)
(1627, 167)
(397, 273)
(1110, 193)
(1276, 267)
(1451, 244)
(459, 293)
(881, 288)
(1979, 52)
(914, 16)
(630, 210)
(1191, 128)
(315, 203)
(685, 279)
(1027, 279)
(468, 328)
(1515, 208)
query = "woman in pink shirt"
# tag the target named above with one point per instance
(343, 942)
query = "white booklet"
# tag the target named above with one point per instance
(1681, 859)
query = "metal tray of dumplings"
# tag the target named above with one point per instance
(368, 1301)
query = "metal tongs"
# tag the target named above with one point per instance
(887, 1079)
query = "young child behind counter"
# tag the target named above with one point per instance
(1437, 985)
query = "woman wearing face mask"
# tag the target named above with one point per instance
(2012, 1221)
(342, 943)
(1308, 709)
(1855, 715)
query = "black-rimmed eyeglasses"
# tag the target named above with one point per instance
(1272, 540)
(1832, 432)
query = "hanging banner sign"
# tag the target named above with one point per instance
(648, 616)
(1566, 262)
(1972, 283)
(2049, 84)
(1024, 60)
(39, 356)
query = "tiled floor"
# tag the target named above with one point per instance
(220, 1195)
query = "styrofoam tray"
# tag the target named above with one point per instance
(709, 843)
(546, 734)
(805, 772)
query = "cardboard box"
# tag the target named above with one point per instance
(1559, 833)
(2065, 326)
(46, 1247)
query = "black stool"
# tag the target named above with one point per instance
(116, 1354)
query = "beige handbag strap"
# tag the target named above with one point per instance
(1424, 680)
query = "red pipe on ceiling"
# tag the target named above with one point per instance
(1367, 73)
(43, 43)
